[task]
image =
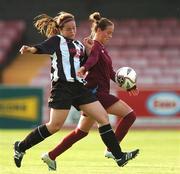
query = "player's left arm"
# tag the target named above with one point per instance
(88, 43)
(91, 61)
(112, 74)
(134, 91)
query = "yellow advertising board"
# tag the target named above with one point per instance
(20, 107)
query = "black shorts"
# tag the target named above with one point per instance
(68, 94)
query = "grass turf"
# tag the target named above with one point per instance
(159, 154)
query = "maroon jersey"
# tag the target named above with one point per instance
(99, 65)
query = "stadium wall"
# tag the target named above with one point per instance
(117, 9)
(20, 107)
(155, 108)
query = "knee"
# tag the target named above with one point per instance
(104, 120)
(81, 133)
(131, 116)
(53, 128)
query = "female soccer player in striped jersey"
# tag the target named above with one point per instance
(67, 55)
(99, 65)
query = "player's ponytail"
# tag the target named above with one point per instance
(98, 22)
(94, 18)
(46, 25)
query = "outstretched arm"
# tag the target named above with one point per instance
(46, 47)
(27, 49)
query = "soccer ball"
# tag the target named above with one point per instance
(126, 78)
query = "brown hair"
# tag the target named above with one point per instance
(49, 26)
(98, 22)
(63, 17)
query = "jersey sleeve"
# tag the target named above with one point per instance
(84, 59)
(113, 73)
(48, 46)
(92, 59)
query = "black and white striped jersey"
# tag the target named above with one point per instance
(66, 57)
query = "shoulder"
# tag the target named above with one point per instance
(53, 39)
(59, 36)
(96, 47)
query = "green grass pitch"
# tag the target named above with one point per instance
(159, 154)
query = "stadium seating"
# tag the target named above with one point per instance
(150, 46)
(10, 34)
(24, 68)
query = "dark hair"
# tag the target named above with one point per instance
(99, 22)
(49, 26)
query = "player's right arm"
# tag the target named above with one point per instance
(27, 49)
(49, 46)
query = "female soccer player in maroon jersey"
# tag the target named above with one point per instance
(100, 72)
(67, 55)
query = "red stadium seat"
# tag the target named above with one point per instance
(5, 43)
(150, 52)
(122, 31)
(135, 41)
(10, 34)
(171, 52)
(16, 25)
(119, 41)
(170, 22)
(156, 41)
(149, 23)
(176, 31)
(2, 25)
(173, 41)
(142, 31)
(129, 23)
(162, 31)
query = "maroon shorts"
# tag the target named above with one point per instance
(106, 99)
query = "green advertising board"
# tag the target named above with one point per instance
(20, 107)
